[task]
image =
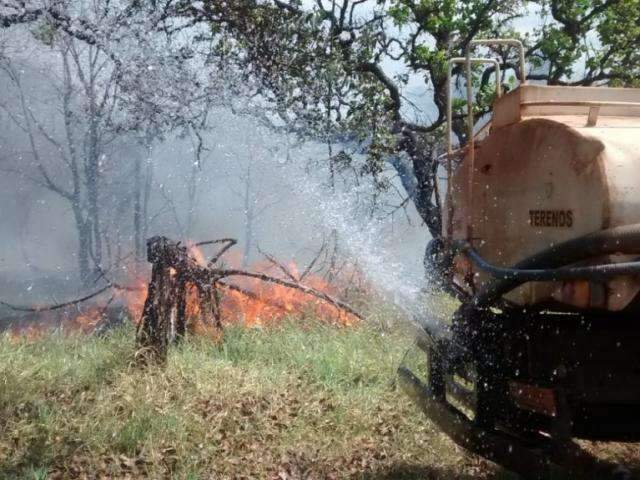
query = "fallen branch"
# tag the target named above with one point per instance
(280, 266)
(56, 306)
(303, 288)
(230, 242)
(309, 268)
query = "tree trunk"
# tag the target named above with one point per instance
(248, 238)
(84, 247)
(94, 217)
(148, 182)
(93, 200)
(142, 180)
(138, 246)
(249, 215)
(425, 169)
(162, 306)
(192, 192)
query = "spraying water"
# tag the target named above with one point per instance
(363, 239)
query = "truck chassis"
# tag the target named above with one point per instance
(517, 386)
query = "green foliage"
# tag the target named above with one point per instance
(589, 41)
(316, 61)
(325, 66)
(619, 32)
(44, 32)
(400, 14)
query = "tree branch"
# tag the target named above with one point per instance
(308, 290)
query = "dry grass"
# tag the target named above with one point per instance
(297, 401)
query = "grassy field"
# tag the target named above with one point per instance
(302, 400)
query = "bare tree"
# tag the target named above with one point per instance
(256, 198)
(119, 74)
(70, 161)
(142, 185)
(196, 131)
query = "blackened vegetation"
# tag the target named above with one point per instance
(164, 316)
(175, 274)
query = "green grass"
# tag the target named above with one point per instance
(302, 400)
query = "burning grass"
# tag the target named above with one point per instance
(302, 399)
(212, 293)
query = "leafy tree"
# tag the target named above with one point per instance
(324, 68)
(337, 70)
(585, 42)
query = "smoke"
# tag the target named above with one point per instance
(240, 179)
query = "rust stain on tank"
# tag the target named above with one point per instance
(538, 169)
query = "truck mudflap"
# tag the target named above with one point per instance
(529, 458)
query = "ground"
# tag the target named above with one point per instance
(299, 401)
(302, 400)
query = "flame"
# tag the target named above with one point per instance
(272, 302)
(69, 320)
(252, 303)
(196, 253)
(134, 297)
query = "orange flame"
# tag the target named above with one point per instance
(261, 304)
(272, 302)
(196, 253)
(68, 320)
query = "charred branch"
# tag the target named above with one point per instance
(308, 290)
(174, 272)
(56, 306)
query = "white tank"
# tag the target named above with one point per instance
(556, 164)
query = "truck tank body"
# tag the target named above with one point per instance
(558, 163)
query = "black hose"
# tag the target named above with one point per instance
(549, 264)
(554, 274)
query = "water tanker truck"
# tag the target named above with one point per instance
(541, 246)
